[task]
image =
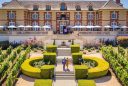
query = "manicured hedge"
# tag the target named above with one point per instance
(81, 71)
(86, 83)
(76, 57)
(31, 71)
(51, 48)
(42, 82)
(75, 48)
(47, 71)
(122, 41)
(100, 70)
(50, 57)
(28, 70)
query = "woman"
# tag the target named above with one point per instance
(67, 63)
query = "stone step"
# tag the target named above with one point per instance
(61, 72)
(65, 77)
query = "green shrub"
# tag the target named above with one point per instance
(100, 70)
(50, 57)
(75, 48)
(51, 48)
(29, 70)
(42, 82)
(81, 71)
(86, 83)
(47, 71)
(122, 41)
(76, 57)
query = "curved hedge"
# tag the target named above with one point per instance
(100, 70)
(29, 70)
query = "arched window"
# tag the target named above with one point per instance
(78, 8)
(48, 7)
(63, 7)
(35, 16)
(114, 15)
(35, 7)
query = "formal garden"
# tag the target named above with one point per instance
(15, 60)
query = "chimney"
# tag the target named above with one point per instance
(118, 1)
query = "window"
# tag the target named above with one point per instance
(35, 7)
(11, 15)
(11, 23)
(47, 23)
(35, 16)
(90, 8)
(63, 7)
(35, 23)
(78, 23)
(113, 23)
(114, 15)
(78, 16)
(90, 16)
(47, 16)
(48, 7)
(90, 23)
(78, 8)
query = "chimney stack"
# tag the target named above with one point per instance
(118, 1)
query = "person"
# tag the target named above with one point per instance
(64, 62)
(67, 63)
(80, 60)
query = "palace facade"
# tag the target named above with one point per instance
(60, 14)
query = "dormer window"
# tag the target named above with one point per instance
(35, 7)
(78, 8)
(35, 16)
(90, 8)
(63, 7)
(48, 7)
(114, 15)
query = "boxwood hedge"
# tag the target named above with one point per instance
(75, 57)
(42, 82)
(51, 48)
(75, 48)
(86, 83)
(31, 71)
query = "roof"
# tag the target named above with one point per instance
(111, 5)
(14, 4)
(55, 4)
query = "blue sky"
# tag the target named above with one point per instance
(125, 2)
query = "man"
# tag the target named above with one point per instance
(64, 63)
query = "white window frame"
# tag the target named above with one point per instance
(78, 23)
(90, 16)
(47, 16)
(113, 23)
(35, 16)
(47, 23)
(11, 23)
(34, 23)
(114, 15)
(78, 16)
(11, 15)
(90, 23)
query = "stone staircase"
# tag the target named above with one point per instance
(63, 51)
(65, 75)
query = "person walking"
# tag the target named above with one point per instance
(64, 63)
(67, 63)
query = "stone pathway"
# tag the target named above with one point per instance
(64, 78)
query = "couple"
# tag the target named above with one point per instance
(65, 62)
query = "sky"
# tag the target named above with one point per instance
(124, 2)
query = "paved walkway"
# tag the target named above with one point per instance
(63, 78)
